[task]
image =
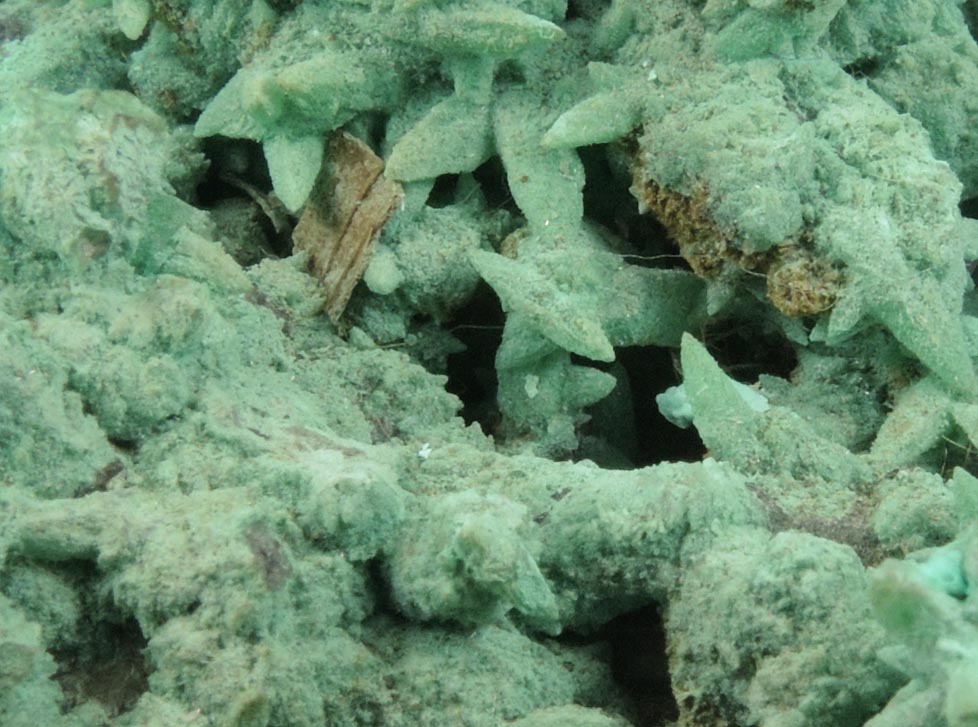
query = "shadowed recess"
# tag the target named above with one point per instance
(103, 660)
(639, 664)
(472, 372)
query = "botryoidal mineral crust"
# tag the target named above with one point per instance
(221, 506)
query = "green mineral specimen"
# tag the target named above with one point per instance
(466, 499)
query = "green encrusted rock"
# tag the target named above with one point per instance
(783, 582)
(759, 216)
(738, 430)
(431, 253)
(61, 46)
(493, 675)
(907, 42)
(27, 692)
(629, 528)
(569, 716)
(766, 27)
(838, 395)
(454, 136)
(51, 597)
(99, 175)
(925, 601)
(252, 516)
(51, 445)
(915, 510)
(192, 49)
(473, 566)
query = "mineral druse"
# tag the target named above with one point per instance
(332, 331)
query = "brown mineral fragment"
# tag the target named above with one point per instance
(348, 207)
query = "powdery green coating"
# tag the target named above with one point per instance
(61, 46)
(287, 595)
(437, 279)
(928, 603)
(283, 512)
(820, 130)
(768, 27)
(51, 445)
(575, 307)
(611, 113)
(840, 401)
(288, 623)
(464, 560)
(541, 390)
(102, 165)
(629, 528)
(487, 29)
(908, 228)
(919, 418)
(923, 422)
(790, 605)
(50, 598)
(299, 525)
(132, 16)
(567, 284)
(488, 677)
(737, 432)
(568, 717)
(192, 49)
(454, 136)
(27, 694)
(908, 42)
(298, 89)
(917, 510)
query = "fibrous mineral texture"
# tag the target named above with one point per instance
(227, 500)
